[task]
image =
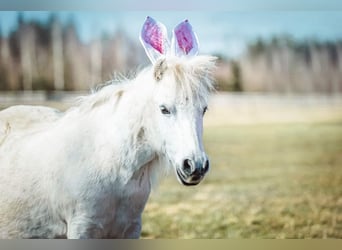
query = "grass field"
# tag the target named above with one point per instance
(266, 181)
(276, 172)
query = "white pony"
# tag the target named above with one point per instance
(87, 173)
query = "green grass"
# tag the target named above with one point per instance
(266, 181)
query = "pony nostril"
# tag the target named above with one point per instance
(206, 166)
(187, 166)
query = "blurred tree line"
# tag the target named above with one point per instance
(284, 65)
(51, 56)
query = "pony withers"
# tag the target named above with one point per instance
(88, 172)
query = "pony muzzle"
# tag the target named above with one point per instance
(192, 172)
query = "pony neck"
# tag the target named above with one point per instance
(117, 127)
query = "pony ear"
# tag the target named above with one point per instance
(153, 37)
(184, 40)
(159, 69)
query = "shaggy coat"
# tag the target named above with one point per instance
(88, 172)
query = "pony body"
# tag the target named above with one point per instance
(88, 172)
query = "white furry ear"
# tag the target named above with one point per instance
(184, 40)
(159, 69)
(154, 39)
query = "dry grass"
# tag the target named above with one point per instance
(266, 181)
(279, 176)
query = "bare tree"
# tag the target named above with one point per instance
(57, 55)
(27, 49)
(96, 62)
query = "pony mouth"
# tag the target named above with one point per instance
(190, 180)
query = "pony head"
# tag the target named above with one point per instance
(182, 84)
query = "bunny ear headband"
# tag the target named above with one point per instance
(154, 39)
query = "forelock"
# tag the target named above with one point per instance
(193, 76)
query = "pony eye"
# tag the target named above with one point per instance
(164, 110)
(205, 110)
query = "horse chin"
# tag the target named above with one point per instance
(188, 181)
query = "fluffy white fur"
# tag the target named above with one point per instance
(87, 173)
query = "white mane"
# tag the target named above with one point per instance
(193, 79)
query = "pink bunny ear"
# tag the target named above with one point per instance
(153, 37)
(184, 40)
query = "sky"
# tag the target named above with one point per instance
(223, 32)
(207, 5)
